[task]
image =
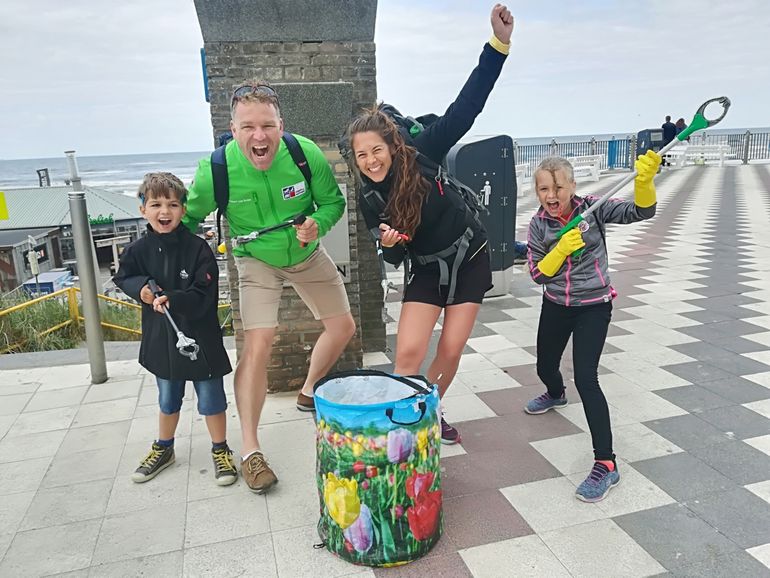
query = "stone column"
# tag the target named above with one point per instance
(320, 57)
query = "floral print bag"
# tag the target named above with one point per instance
(379, 482)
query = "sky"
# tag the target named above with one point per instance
(127, 79)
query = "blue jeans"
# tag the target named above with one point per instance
(210, 393)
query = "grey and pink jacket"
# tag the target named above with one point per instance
(582, 280)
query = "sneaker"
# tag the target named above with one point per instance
(159, 458)
(449, 434)
(545, 402)
(258, 475)
(305, 402)
(598, 483)
(224, 467)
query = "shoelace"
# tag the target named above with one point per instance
(151, 458)
(223, 461)
(256, 464)
(597, 473)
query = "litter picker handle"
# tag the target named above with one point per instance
(157, 292)
(699, 122)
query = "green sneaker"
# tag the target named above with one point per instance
(159, 458)
(224, 467)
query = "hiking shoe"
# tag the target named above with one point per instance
(159, 458)
(257, 474)
(305, 402)
(224, 467)
(598, 483)
(545, 402)
(449, 434)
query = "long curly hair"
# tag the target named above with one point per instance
(409, 188)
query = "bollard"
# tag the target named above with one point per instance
(81, 235)
(746, 146)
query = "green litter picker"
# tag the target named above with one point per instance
(698, 122)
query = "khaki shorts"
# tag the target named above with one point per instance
(316, 280)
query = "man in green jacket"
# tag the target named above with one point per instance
(267, 188)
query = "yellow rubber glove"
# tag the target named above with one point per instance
(644, 189)
(570, 242)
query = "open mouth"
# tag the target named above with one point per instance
(552, 205)
(164, 222)
(259, 151)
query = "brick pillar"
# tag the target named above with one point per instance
(320, 56)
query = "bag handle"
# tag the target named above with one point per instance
(422, 405)
(405, 379)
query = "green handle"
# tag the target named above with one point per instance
(698, 122)
(568, 227)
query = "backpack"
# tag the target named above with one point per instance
(409, 127)
(222, 181)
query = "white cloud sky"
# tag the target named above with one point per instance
(111, 78)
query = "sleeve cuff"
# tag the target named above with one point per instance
(501, 47)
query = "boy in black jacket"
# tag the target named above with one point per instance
(184, 268)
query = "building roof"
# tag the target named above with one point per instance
(36, 207)
(15, 237)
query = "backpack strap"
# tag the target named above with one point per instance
(459, 249)
(298, 155)
(221, 185)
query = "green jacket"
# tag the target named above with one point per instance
(260, 199)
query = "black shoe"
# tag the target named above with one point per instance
(224, 467)
(159, 458)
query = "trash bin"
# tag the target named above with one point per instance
(379, 480)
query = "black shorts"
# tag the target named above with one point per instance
(474, 279)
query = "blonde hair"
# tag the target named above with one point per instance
(553, 164)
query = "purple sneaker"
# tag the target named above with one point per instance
(598, 483)
(449, 434)
(545, 402)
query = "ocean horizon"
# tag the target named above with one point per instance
(123, 172)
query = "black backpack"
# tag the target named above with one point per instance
(222, 181)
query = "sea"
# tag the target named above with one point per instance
(124, 173)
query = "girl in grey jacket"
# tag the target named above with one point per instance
(577, 297)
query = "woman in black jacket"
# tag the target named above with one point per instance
(424, 217)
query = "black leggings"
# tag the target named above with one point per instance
(588, 326)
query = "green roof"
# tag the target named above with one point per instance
(34, 207)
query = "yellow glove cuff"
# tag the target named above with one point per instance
(501, 47)
(551, 263)
(644, 194)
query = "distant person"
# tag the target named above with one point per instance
(680, 126)
(184, 268)
(669, 130)
(577, 298)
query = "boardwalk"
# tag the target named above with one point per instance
(686, 371)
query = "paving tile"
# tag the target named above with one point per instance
(14, 404)
(485, 380)
(141, 533)
(450, 564)
(761, 407)
(675, 536)
(762, 443)
(312, 562)
(568, 454)
(683, 476)
(42, 445)
(507, 432)
(110, 390)
(560, 510)
(761, 553)
(104, 412)
(727, 566)
(698, 371)
(67, 504)
(222, 559)
(474, 473)
(634, 442)
(12, 512)
(737, 421)
(168, 564)
(80, 467)
(738, 514)
(18, 477)
(688, 431)
(56, 398)
(66, 548)
(526, 557)
(737, 389)
(575, 547)
(737, 460)
(482, 518)
(645, 406)
(207, 522)
(462, 408)
(761, 489)
(95, 437)
(694, 398)
(42, 421)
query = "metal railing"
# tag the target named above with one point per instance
(75, 318)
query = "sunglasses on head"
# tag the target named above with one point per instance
(248, 89)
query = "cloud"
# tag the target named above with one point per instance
(127, 78)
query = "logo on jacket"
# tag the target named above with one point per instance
(293, 191)
(183, 274)
(583, 226)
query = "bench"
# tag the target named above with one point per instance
(523, 172)
(698, 154)
(588, 165)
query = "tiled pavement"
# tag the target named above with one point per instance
(686, 371)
